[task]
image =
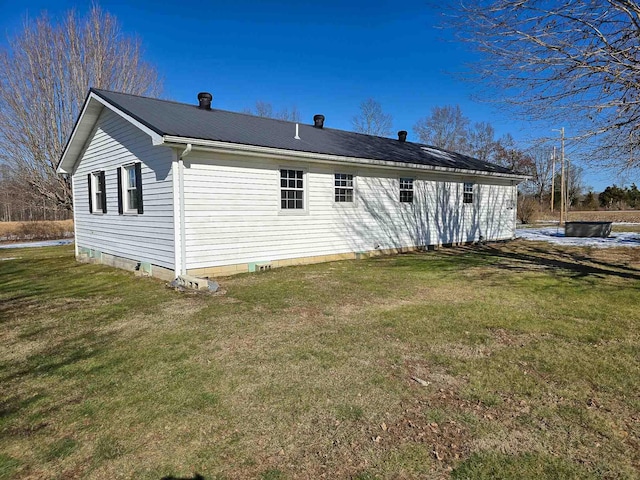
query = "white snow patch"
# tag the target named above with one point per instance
(439, 153)
(556, 235)
(44, 243)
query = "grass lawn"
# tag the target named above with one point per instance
(519, 360)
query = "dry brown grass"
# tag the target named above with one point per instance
(627, 216)
(49, 230)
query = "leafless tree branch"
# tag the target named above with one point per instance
(575, 63)
(372, 120)
(45, 73)
(265, 109)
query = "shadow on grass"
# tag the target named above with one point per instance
(514, 256)
(50, 305)
(524, 256)
(58, 360)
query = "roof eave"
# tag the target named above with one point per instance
(83, 129)
(271, 152)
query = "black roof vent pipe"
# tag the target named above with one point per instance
(402, 136)
(204, 100)
(318, 121)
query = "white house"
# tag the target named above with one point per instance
(175, 189)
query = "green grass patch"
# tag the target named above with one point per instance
(61, 448)
(497, 466)
(8, 466)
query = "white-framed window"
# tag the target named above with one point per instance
(406, 190)
(343, 183)
(467, 193)
(292, 189)
(97, 193)
(130, 189)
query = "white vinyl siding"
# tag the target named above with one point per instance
(226, 225)
(148, 237)
(233, 205)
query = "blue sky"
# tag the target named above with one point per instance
(322, 57)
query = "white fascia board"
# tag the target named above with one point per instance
(88, 116)
(84, 126)
(278, 153)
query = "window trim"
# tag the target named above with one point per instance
(305, 191)
(97, 184)
(124, 207)
(353, 189)
(412, 190)
(468, 197)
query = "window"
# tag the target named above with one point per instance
(131, 196)
(468, 193)
(343, 187)
(406, 190)
(291, 189)
(97, 193)
(130, 189)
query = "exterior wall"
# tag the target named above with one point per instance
(233, 214)
(148, 237)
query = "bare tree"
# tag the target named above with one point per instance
(372, 120)
(45, 73)
(575, 183)
(510, 155)
(445, 128)
(541, 171)
(574, 62)
(481, 142)
(265, 109)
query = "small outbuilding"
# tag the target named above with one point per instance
(173, 189)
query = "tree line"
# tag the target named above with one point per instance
(578, 58)
(620, 198)
(45, 73)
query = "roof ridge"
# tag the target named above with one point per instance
(343, 142)
(196, 106)
(255, 116)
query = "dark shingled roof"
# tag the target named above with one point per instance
(184, 120)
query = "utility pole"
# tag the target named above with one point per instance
(565, 194)
(563, 190)
(553, 177)
(567, 203)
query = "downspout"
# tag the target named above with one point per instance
(75, 223)
(183, 235)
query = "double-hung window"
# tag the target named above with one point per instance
(406, 190)
(343, 183)
(467, 193)
(130, 189)
(97, 193)
(291, 189)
